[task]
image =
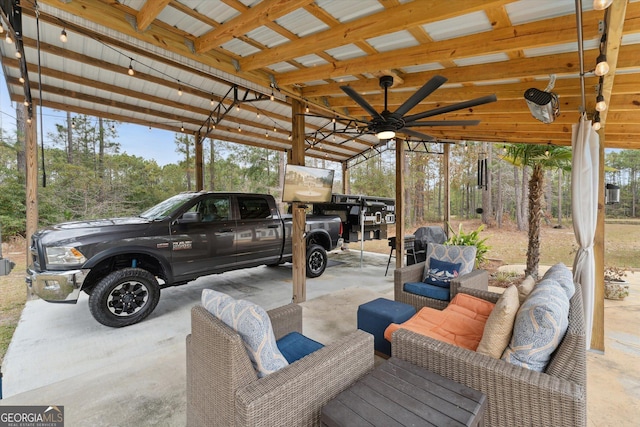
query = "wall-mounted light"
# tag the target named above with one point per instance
(63, 36)
(611, 194)
(602, 67)
(601, 4)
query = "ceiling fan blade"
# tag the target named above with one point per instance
(453, 107)
(444, 123)
(361, 102)
(427, 89)
(420, 135)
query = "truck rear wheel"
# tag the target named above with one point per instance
(124, 297)
(316, 260)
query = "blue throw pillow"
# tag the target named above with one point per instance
(440, 272)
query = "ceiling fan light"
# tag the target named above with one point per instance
(386, 134)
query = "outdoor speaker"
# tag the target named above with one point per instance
(543, 105)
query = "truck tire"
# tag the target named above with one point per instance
(316, 261)
(124, 297)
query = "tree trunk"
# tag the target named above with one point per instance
(69, 139)
(408, 199)
(559, 198)
(536, 195)
(525, 198)
(519, 202)
(212, 163)
(21, 155)
(499, 208)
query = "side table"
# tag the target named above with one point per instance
(398, 393)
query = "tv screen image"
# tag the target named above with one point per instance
(307, 185)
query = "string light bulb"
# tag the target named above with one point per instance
(272, 97)
(237, 107)
(26, 103)
(63, 36)
(239, 128)
(29, 120)
(546, 152)
(18, 54)
(258, 114)
(504, 149)
(306, 109)
(21, 79)
(1, 29)
(8, 38)
(130, 71)
(212, 101)
(73, 123)
(182, 127)
(601, 105)
(596, 121)
(266, 134)
(289, 137)
(179, 91)
(274, 129)
(601, 4)
(602, 67)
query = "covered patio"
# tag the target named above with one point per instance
(304, 77)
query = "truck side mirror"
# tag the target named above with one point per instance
(189, 217)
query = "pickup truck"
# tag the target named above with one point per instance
(122, 263)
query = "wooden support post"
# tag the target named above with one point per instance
(399, 203)
(346, 187)
(199, 163)
(447, 194)
(597, 330)
(31, 152)
(299, 217)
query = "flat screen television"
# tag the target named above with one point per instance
(307, 185)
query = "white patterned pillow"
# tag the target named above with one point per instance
(539, 327)
(254, 327)
(463, 255)
(561, 274)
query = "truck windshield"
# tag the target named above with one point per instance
(165, 208)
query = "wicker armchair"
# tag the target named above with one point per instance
(476, 279)
(516, 395)
(223, 388)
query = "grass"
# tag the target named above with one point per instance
(507, 246)
(13, 293)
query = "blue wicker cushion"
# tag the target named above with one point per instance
(429, 291)
(254, 327)
(561, 274)
(295, 346)
(441, 272)
(540, 325)
(464, 255)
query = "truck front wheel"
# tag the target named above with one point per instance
(316, 260)
(124, 297)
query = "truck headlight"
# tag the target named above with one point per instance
(64, 255)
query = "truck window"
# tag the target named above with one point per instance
(212, 209)
(254, 208)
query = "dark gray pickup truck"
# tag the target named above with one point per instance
(122, 263)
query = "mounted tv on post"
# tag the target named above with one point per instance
(307, 185)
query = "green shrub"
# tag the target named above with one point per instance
(470, 239)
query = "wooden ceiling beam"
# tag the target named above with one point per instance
(404, 16)
(148, 13)
(261, 14)
(525, 36)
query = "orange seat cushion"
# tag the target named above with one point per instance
(460, 324)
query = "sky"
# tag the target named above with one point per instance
(135, 140)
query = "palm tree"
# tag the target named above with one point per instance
(537, 157)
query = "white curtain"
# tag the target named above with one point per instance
(584, 189)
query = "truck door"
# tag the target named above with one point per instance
(203, 238)
(259, 232)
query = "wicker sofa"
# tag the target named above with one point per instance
(476, 279)
(223, 388)
(516, 395)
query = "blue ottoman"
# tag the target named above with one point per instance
(374, 317)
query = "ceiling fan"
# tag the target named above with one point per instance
(385, 124)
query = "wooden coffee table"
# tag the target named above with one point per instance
(398, 393)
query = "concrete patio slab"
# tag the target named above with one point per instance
(136, 375)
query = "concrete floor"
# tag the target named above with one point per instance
(136, 375)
